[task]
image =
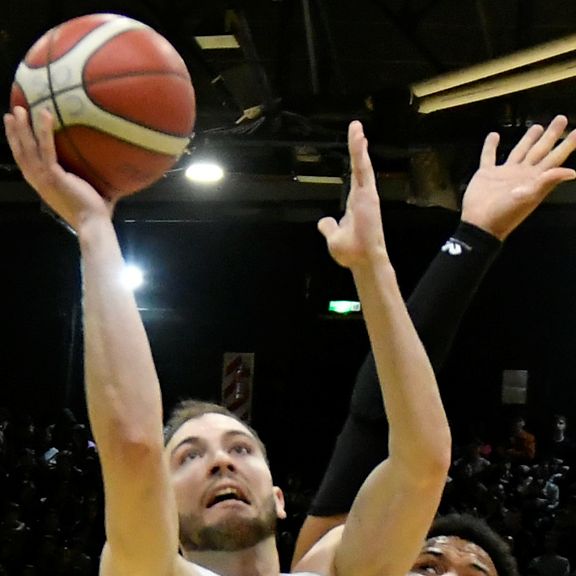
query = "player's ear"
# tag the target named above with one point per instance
(280, 503)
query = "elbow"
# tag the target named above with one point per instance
(433, 470)
(430, 476)
(133, 443)
(440, 457)
(137, 454)
(436, 453)
(143, 445)
(431, 461)
(440, 465)
(140, 442)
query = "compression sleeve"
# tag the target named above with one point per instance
(436, 307)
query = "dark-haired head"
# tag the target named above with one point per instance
(475, 530)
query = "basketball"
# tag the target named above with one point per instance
(121, 96)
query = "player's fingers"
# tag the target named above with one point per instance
(355, 138)
(488, 154)
(327, 226)
(551, 178)
(546, 142)
(559, 154)
(46, 137)
(545, 184)
(361, 166)
(368, 176)
(24, 137)
(12, 136)
(531, 136)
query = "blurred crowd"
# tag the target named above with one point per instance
(525, 487)
(52, 495)
(52, 507)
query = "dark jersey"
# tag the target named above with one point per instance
(436, 307)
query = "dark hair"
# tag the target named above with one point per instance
(477, 531)
(189, 409)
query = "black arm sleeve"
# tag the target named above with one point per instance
(436, 307)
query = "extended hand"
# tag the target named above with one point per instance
(69, 196)
(358, 236)
(499, 198)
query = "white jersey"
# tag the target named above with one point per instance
(206, 572)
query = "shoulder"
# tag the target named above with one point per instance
(185, 568)
(181, 567)
(319, 560)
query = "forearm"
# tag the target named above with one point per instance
(397, 502)
(436, 307)
(419, 434)
(446, 289)
(123, 393)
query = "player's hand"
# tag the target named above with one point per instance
(72, 198)
(358, 237)
(499, 198)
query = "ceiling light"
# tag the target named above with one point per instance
(319, 179)
(221, 42)
(132, 277)
(496, 66)
(204, 172)
(497, 77)
(500, 86)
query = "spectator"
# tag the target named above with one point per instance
(557, 445)
(520, 445)
(550, 563)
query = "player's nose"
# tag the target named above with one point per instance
(221, 462)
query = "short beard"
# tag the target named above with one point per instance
(229, 535)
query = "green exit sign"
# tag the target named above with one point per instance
(344, 306)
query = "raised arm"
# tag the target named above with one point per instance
(122, 389)
(492, 209)
(396, 504)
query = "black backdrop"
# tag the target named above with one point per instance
(262, 286)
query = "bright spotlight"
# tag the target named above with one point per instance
(205, 172)
(132, 277)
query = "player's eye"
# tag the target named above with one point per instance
(188, 456)
(242, 449)
(427, 568)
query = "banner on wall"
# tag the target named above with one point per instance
(514, 386)
(237, 380)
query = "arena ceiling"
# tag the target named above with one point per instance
(277, 105)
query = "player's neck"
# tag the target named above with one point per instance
(260, 560)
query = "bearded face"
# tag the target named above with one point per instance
(224, 493)
(230, 533)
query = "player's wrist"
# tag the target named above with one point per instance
(92, 228)
(375, 259)
(472, 234)
(373, 272)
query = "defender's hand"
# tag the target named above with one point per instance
(499, 198)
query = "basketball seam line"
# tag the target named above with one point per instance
(53, 95)
(91, 168)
